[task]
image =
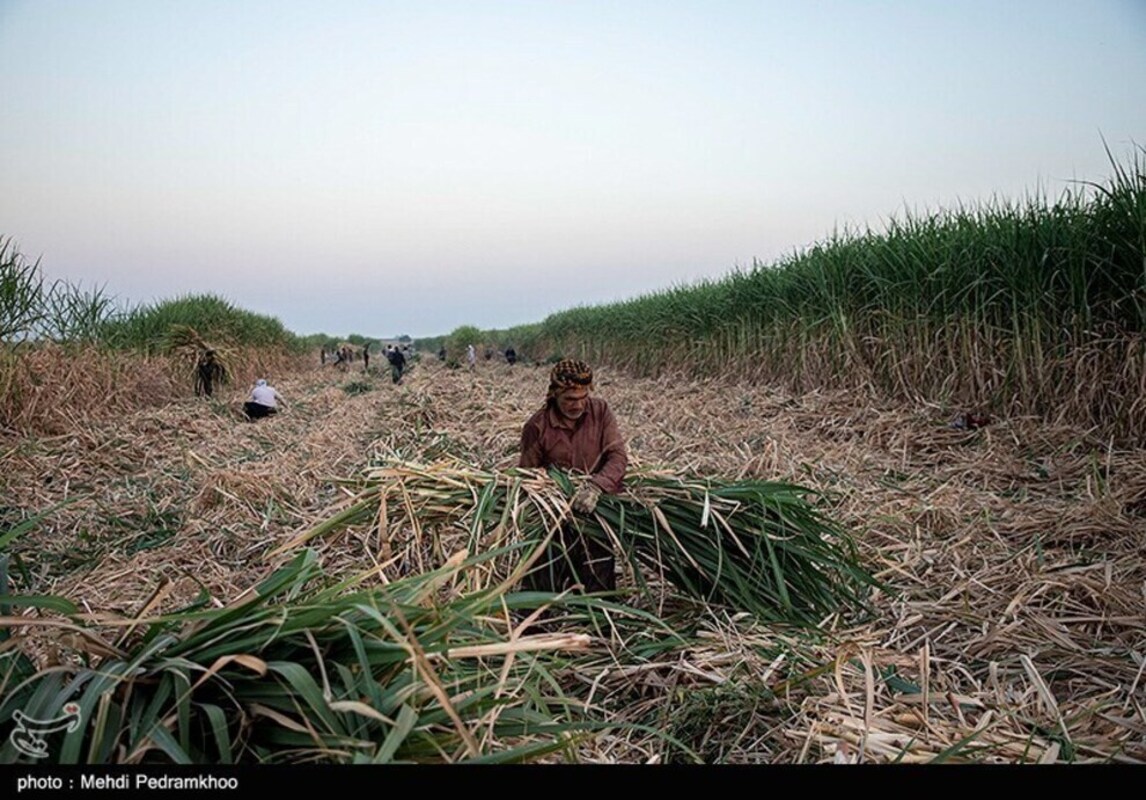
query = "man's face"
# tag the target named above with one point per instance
(573, 402)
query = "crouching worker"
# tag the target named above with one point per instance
(575, 431)
(263, 402)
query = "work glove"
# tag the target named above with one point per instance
(585, 500)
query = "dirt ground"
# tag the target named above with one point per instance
(1014, 628)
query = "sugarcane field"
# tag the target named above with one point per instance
(218, 590)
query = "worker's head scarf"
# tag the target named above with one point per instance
(568, 373)
(260, 382)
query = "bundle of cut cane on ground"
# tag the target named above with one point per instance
(762, 547)
(299, 669)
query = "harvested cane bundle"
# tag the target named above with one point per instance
(301, 670)
(761, 547)
(186, 344)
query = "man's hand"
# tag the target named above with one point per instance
(585, 500)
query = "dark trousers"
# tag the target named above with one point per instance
(571, 558)
(258, 410)
(203, 379)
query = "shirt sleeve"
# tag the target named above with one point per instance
(532, 454)
(614, 458)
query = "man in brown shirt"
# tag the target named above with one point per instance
(577, 432)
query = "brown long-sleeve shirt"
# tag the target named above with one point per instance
(591, 444)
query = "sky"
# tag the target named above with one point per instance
(406, 167)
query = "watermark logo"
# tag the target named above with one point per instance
(28, 735)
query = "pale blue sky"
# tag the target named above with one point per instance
(408, 167)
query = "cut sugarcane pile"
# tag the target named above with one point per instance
(762, 547)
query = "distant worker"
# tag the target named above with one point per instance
(208, 372)
(345, 354)
(442, 354)
(574, 431)
(263, 401)
(322, 355)
(510, 355)
(471, 356)
(366, 357)
(397, 363)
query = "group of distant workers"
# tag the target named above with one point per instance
(471, 355)
(344, 354)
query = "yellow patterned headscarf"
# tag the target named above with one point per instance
(568, 373)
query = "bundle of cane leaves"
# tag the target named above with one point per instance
(758, 546)
(302, 670)
(421, 512)
(761, 547)
(188, 345)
